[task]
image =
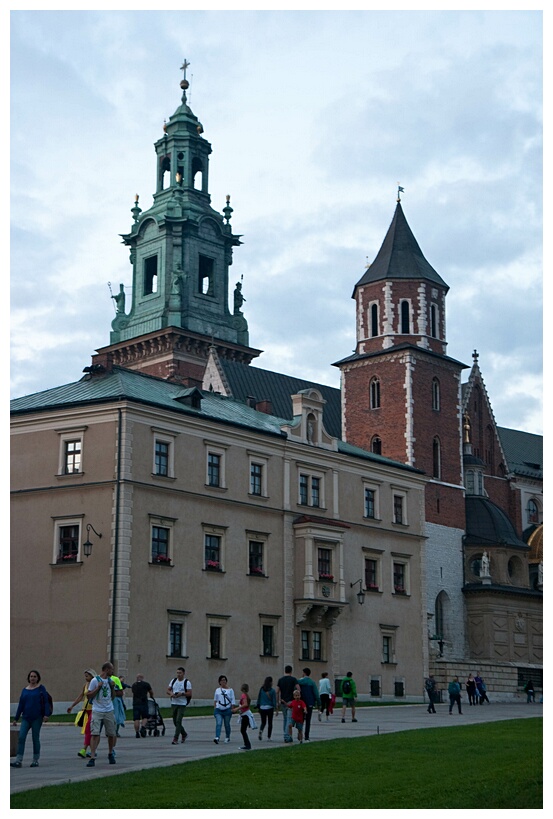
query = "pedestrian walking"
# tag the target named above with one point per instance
(310, 696)
(84, 717)
(141, 690)
(286, 686)
(530, 693)
(180, 691)
(266, 705)
(325, 693)
(349, 693)
(298, 710)
(483, 692)
(34, 708)
(454, 691)
(430, 686)
(102, 692)
(223, 702)
(246, 716)
(470, 685)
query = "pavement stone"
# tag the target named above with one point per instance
(60, 764)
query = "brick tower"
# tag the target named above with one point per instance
(401, 393)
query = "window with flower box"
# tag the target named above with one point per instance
(67, 539)
(371, 574)
(213, 552)
(255, 557)
(400, 574)
(160, 545)
(324, 564)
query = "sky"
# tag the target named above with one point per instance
(314, 118)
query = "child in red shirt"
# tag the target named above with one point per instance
(299, 709)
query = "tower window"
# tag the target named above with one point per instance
(375, 393)
(374, 320)
(205, 276)
(435, 394)
(405, 317)
(376, 445)
(150, 275)
(164, 171)
(197, 173)
(436, 459)
(433, 321)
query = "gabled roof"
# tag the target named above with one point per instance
(246, 381)
(400, 256)
(523, 451)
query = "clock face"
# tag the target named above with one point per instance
(326, 591)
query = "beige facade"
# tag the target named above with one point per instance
(279, 507)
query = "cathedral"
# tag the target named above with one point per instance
(178, 505)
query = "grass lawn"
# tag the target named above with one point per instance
(490, 766)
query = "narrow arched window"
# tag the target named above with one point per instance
(405, 317)
(433, 321)
(197, 173)
(435, 394)
(375, 393)
(374, 320)
(436, 459)
(376, 445)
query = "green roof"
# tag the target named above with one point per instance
(524, 452)
(122, 384)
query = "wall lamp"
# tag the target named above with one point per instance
(87, 545)
(360, 594)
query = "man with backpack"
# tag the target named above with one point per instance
(430, 685)
(310, 695)
(349, 693)
(101, 692)
(454, 691)
(180, 691)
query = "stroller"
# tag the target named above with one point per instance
(155, 720)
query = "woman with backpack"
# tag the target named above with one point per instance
(35, 706)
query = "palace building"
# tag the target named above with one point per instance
(178, 505)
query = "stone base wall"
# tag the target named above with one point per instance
(501, 679)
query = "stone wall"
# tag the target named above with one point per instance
(501, 679)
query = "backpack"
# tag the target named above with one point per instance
(187, 695)
(429, 685)
(346, 687)
(50, 701)
(452, 688)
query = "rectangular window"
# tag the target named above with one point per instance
(315, 492)
(255, 555)
(175, 640)
(205, 276)
(305, 645)
(215, 642)
(256, 478)
(150, 275)
(72, 458)
(369, 503)
(371, 574)
(386, 649)
(213, 469)
(268, 633)
(398, 509)
(399, 578)
(213, 553)
(68, 543)
(304, 480)
(161, 458)
(324, 564)
(160, 544)
(317, 645)
(310, 490)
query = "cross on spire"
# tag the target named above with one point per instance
(184, 66)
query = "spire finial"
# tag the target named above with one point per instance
(184, 82)
(227, 210)
(475, 356)
(399, 190)
(136, 211)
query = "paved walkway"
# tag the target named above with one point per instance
(60, 764)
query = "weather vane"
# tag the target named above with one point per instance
(399, 190)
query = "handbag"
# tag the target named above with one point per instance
(79, 719)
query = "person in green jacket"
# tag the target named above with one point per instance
(454, 691)
(349, 693)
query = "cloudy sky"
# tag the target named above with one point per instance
(314, 118)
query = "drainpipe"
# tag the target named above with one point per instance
(116, 541)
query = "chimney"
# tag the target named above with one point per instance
(266, 406)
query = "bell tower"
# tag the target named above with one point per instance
(401, 392)
(180, 252)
